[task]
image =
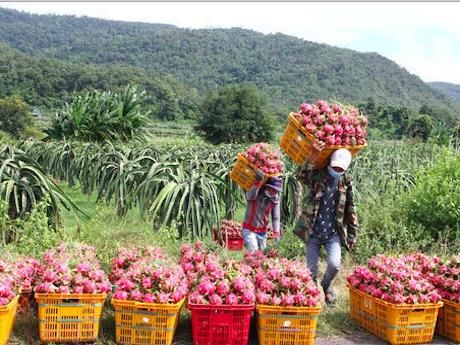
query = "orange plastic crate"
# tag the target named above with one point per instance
(398, 324)
(7, 314)
(244, 173)
(69, 317)
(286, 325)
(297, 142)
(139, 323)
(448, 324)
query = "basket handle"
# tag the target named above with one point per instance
(70, 300)
(302, 134)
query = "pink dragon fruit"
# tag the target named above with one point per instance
(265, 158)
(394, 280)
(328, 123)
(328, 129)
(286, 283)
(150, 279)
(71, 268)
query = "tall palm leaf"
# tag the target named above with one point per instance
(23, 184)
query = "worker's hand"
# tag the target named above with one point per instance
(259, 175)
(319, 145)
(351, 245)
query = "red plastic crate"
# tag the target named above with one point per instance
(220, 324)
(235, 244)
(232, 243)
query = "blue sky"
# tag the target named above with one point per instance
(422, 37)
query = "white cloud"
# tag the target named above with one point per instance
(417, 36)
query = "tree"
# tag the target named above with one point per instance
(420, 126)
(401, 118)
(168, 104)
(14, 115)
(236, 114)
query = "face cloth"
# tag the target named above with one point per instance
(268, 195)
(272, 198)
(334, 173)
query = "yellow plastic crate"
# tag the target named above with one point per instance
(7, 314)
(139, 323)
(244, 173)
(399, 324)
(69, 317)
(286, 325)
(448, 324)
(297, 142)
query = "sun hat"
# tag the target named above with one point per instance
(341, 158)
(275, 182)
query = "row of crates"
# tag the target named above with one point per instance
(76, 318)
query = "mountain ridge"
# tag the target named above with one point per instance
(288, 69)
(451, 89)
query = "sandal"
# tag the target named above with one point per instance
(329, 295)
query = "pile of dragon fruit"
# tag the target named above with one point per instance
(283, 282)
(72, 268)
(152, 278)
(229, 229)
(333, 123)
(126, 257)
(8, 290)
(147, 274)
(18, 274)
(445, 276)
(401, 280)
(265, 158)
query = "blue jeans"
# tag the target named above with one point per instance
(254, 241)
(333, 250)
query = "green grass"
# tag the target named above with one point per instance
(334, 320)
(87, 203)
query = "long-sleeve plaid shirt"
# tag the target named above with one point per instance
(314, 181)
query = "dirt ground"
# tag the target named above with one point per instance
(361, 338)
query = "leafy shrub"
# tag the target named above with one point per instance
(34, 234)
(290, 245)
(383, 229)
(434, 202)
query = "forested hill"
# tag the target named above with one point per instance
(452, 90)
(48, 83)
(289, 70)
